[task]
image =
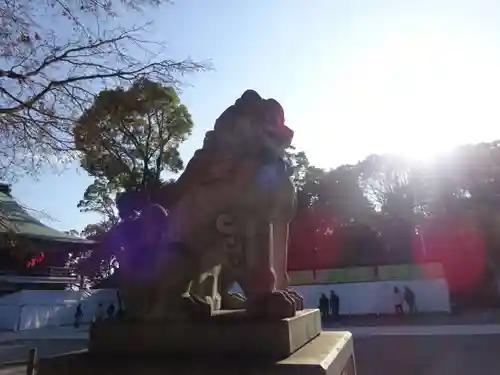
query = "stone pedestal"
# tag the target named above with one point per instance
(230, 332)
(229, 344)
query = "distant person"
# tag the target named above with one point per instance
(334, 305)
(119, 300)
(497, 285)
(409, 298)
(398, 301)
(99, 313)
(121, 312)
(324, 306)
(111, 310)
(78, 316)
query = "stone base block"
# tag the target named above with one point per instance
(231, 333)
(329, 353)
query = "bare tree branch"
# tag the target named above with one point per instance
(47, 80)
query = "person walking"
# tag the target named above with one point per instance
(111, 311)
(99, 313)
(78, 316)
(409, 298)
(398, 301)
(324, 306)
(334, 305)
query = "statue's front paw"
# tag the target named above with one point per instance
(233, 301)
(215, 302)
(196, 307)
(297, 298)
(183, 308)
(277, 305)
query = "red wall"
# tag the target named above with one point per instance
(459, 247)
(311, 245)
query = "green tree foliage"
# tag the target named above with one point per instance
(127, 138)
(48, 77)
(98, 198)
(377, 207)
(73, 232)
(305, 177)
(342, 195)
(300, 163)
(96, 230)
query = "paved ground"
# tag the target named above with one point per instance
(411, 349)
(431, 330)
(426, 355)
(17, 370)
(64, 332)
(466, 318)
(16, 352)
(415, 355)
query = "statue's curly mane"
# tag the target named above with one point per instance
(265, 115)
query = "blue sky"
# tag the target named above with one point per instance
(355, 77)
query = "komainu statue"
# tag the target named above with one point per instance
(225, 220)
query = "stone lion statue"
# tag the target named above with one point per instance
(225, 220)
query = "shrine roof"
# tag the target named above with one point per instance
(16, 219)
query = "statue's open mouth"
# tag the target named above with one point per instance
(280, 134)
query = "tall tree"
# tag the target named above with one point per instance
(341, 195)
(56, 55)
(299, 163)
(393, 185)
(99, 198)
(127, 138)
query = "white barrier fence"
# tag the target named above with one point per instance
(31, 309)
(377, 297)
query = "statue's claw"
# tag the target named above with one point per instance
(297, 298)
(196, 307)
(233, 301)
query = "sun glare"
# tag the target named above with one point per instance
(418, 93)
